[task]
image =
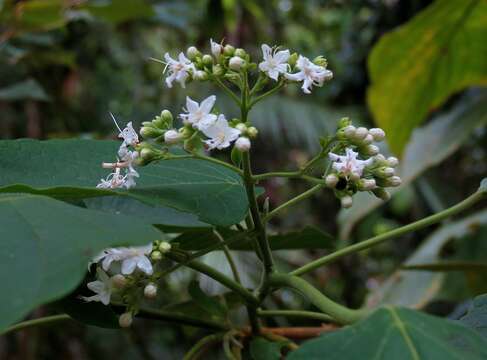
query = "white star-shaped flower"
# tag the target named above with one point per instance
(115, 180)
(349, 164)
(220, 134)
(179, 70)
(129, 135)
(103, 288)
(275, 62)
(199, 115)
(310, 74)
(130, 258)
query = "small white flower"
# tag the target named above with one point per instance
(130, 258)
(275, 62)
(199, 115)
(216, 49)
(115, 180)
(243, 144)
(348, 164)
(103, 288)
(310, 74)
(129, 135)
(220, 134)
(179, 70)
(129, 178)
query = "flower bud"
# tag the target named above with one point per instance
(147, 154)
(119, 281)
(242, 144)
(377, 133)
(207, 60)
(192, 53)
(236, 63)
(150, 291)
(156, 255)
(252, 132)
(349, 131)
(216, 48)
(200, 75)
(392, 161)
(361, 133)
(344, 122)
(347, 201)
(228, 50)
(379, 159)
(125, 320)
(164, 247)
(240, 52)
(372, 150)
(320, 61)
(367, 184)
(385, 171)
(293, 59)
(354, 177)
(242, 127)
(331, 180)
(369, 139)
(394, 181)
(172, 137)
(149, 132)
(218, 70)
(381, 193)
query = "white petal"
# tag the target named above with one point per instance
(96, 286)
(144, 264)
(191, 105)
(282, 56)
(128, 266)
(266, 51)
(207, 104)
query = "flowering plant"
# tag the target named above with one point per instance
(170, 164)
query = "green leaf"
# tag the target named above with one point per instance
(120, 11)
(399, 334)
(37, 15)
(27, 89)
(72, 168)
(439, 139)
(309, 237)
(418, 66)
(263, 349)
(476, 316)
(207, 303)
(417, 288)
(45, 246)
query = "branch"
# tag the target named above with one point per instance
(36, 322)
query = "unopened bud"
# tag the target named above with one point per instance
(192, 53)
(381, 193)
(369, 139)
(156, 255)
(252, 132)
(361, 133)
(236, 63)
(228, 50)
(207, 60)
(379, 159)
(119, 281)
(293, 59)
(172, 137)
(354, 177)
(320, 61)
(216, 48)
(241, 127)
(346, 201)
(243, 144)
(392, 161)
(367, 184)
(349, 131)
(218, 70)
(147, 154)
(200, 75)
(125, 320)
(331, 180)
(149, 132)
(240, 52)
(150, 291)
(372, 150)
(394, 181)
(164, 247)
(385, 171)
(377, 133)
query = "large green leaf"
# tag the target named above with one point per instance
(419, 65)
(476, 316)
(399, 334)
(72, 168)
(438, 139)
(417, 288)
(263, 349)
(46, 244)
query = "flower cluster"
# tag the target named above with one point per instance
(124, 173)
(357, 165)
(225, 62)
(121, 272)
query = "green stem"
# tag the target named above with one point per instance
(433, 219)
(338, 312)
(264, 95)
(206, 158)
(36, 322)
(290, 175)
(228, 255)
(295, 313)
(294, 200)
(227, 90)
(196, 351)
(216, 275)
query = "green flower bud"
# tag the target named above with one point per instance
(381, 193)
(344, 122)
(321, 61)
(156, 255)
(252, 132)
(242, 127)
(240, 53)
(228, 50)
(207, 60)
(150, 132)
(200, 75)
(293, 59)
(218, 70)
(147, 154)
(192, 53)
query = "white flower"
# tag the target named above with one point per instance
(129, 178)
(310, 74)
(129, 135)
(243, 144)
(274, 62)
(130, 258)
(348, 164)
(220, 134)
(115, 180)
(179, 71)
(216, 49)
(103, 288)
(199, 115)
